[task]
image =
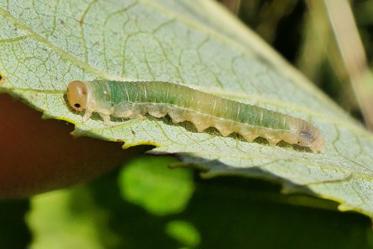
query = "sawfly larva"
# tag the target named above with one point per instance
(132, 99)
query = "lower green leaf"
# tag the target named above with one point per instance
(150, 183)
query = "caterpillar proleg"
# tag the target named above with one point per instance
(132, 99)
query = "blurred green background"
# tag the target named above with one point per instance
(147, 205)
(144, 204)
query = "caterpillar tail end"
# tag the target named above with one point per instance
(318, 145)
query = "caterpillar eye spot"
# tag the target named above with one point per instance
(77, 105)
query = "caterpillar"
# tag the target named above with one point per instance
(133, 99)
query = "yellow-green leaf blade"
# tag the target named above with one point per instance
(44, 45)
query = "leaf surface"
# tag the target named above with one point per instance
(44, 45)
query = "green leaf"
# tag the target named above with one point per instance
(184, 232)
(150, 183)
(226, 212)
(69, 219)
(44, 45)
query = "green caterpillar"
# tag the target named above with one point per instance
(130, 99)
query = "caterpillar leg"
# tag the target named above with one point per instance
(201, 122)
(273, 140)
(156, 111)
(87, 115)
(139, 116)
(106, 118)
(176, 116)
(249, 136)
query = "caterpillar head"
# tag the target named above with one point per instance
(77, 95)
(309, 136)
